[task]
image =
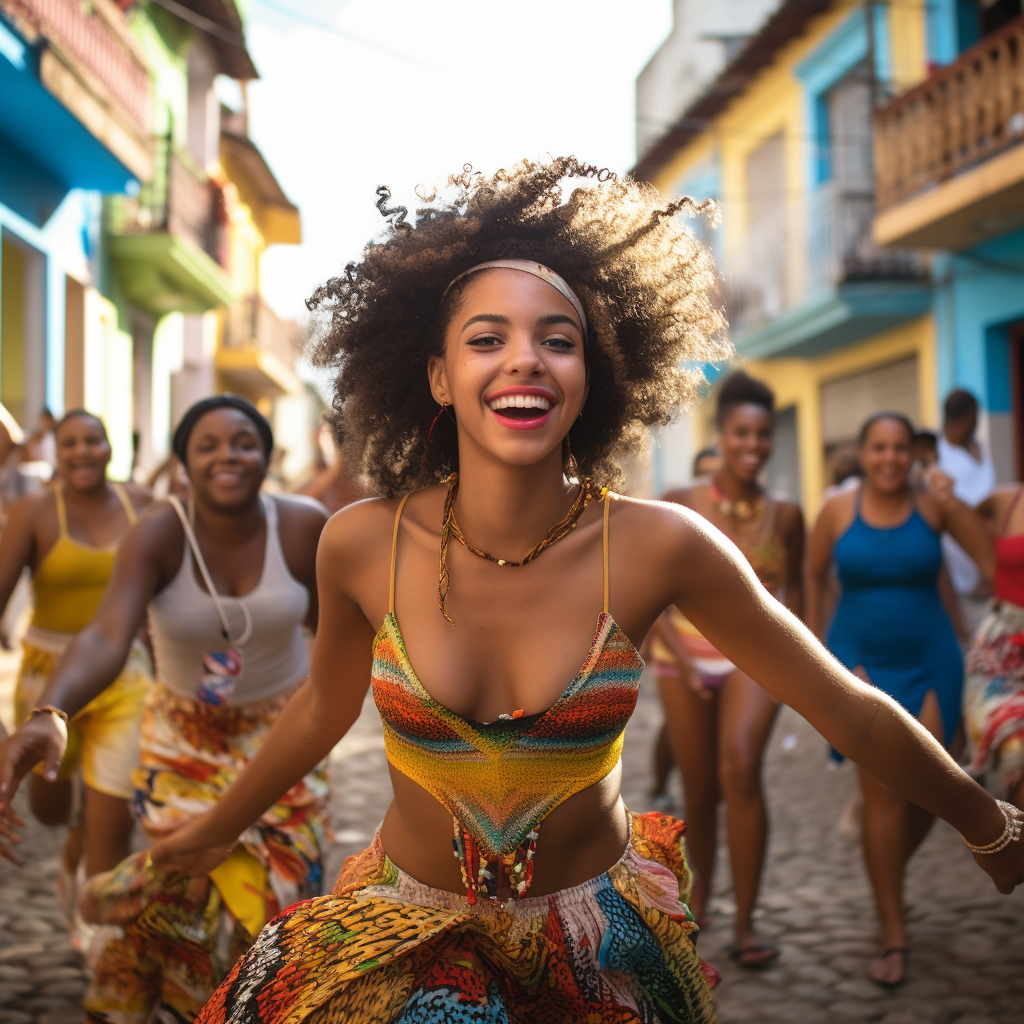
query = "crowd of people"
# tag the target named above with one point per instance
(491, 365)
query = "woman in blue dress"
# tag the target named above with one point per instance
(890, 629)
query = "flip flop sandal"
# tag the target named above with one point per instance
(764, 955)
(905, 953)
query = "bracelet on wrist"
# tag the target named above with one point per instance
(1012, 830)
(49, 709)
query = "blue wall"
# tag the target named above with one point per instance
(979, 293)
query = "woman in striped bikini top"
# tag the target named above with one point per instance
(500, 779)
(526, 375)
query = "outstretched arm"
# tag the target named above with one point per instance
(772, 646)
(312, 722)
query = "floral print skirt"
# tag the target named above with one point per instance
(386, 949)
(176, 937)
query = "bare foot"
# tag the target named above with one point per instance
(890, 969)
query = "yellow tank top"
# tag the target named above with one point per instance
(70, 580)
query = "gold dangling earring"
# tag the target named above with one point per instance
(572, 470)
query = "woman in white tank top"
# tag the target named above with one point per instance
(228, 581)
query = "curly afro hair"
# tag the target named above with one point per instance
(646, 284)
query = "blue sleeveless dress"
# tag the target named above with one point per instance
(890, 620)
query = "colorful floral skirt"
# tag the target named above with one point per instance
(994, 698)
(103, 738)
(386, 949)
(177, 937)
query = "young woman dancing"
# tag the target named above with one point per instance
(718, 717)
(67, 536)
(462, 365)
(228, 584)
(994, 689)
(667, 662)
(891, 630)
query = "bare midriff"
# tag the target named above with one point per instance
(581, 838)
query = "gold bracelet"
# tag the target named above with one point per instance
(1014, 819)
(49, 709)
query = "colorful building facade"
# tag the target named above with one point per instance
(839, 317)
(131, 235)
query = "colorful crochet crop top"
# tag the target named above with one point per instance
(500, 780)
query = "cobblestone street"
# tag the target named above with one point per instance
(967, 942)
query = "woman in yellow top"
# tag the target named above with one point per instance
(67, 536)
(718, 717)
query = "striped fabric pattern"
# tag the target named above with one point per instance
(501, 780)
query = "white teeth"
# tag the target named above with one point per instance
(519, 402)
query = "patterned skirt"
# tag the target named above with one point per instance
(103, 738)
(386, 949)
(994, 698)
(177, 937)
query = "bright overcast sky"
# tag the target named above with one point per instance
(488, 83)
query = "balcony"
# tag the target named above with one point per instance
(166, 241)
(846, 287)
(259, 349)
(84, 57)
(949, 154)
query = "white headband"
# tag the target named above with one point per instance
(546, 274)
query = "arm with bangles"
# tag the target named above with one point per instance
(719, 593)
(320, 712)
(92, 662)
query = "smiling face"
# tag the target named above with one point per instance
(513, 367)
(225, 459)
(83, 452)
(746, 440)
(886, 455)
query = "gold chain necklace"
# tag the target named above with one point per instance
(740, 510)
(450, 528)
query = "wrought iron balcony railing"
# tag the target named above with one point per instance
(964, 113)
(94, 39)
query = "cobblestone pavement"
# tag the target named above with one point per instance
(967, 941)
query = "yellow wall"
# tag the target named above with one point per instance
(12, 331)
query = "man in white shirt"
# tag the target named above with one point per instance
(962, 458)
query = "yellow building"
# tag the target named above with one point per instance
(257, 349)
(838, 326)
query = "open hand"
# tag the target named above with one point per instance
(188, 851)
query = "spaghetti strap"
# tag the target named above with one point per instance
(1009, 512)
(394, 554)
(604, 547)
(62, 514)
(126, 502)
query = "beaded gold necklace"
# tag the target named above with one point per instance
(450, 528)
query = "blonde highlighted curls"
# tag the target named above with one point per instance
(645, 281)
